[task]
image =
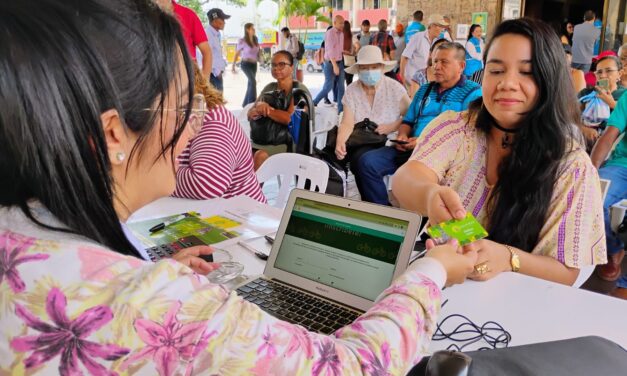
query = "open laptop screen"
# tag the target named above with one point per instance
(347, 249)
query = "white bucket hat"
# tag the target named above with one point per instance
(370, 55)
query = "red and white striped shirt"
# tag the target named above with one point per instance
(218, 162)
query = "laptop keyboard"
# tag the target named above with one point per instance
(297, 307)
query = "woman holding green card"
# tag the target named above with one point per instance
(516, 162)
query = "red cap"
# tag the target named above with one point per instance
(604, 54)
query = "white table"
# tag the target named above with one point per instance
(530, 309)
(534, 310)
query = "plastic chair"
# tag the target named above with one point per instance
(287, 166)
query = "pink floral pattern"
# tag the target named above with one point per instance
(77, 300)
(66, 338)
(169, 343)
(12, 255)
(375, 365)
(329, 362)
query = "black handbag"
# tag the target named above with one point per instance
(364, 134)
(265, 131)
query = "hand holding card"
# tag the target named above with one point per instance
(465, 230)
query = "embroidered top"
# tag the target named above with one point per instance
(70, 306)
(385, 107)
(573, 232)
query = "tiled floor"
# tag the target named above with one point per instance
(594, 283)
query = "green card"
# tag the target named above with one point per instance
(465, 230)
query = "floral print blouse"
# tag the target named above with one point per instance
(69, 306)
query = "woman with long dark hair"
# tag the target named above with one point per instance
(474, 50)
(90, 127)
(515, 161)
(248, 48)
(566, 35)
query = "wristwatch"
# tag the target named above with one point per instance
(514, 261)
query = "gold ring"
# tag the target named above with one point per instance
(482, 268)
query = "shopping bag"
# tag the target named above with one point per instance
(596, 110)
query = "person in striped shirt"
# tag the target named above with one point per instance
(218, 160)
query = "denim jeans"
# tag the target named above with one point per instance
(329, 80)
(584, 67)
(616, 192)
(216, 81)
(371, 168)
(250, 70)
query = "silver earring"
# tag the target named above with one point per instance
(120, 156)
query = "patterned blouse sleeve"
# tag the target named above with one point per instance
(442, 135)
(187, 324)
(574, 233)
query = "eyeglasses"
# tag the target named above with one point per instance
(196, 115)
(281, 65)
(606, 71)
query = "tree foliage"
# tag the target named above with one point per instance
(305, 9)
(197, 6)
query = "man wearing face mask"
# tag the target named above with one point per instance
(374, 96)
(450, 91)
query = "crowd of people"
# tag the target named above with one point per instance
(121, 115)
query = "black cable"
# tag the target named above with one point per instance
(467, 333)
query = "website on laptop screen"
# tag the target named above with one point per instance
(344, 248)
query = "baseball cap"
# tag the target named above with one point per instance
(216, 13)
(399, 28)
(437, 19)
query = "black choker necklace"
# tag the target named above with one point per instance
(505, 141)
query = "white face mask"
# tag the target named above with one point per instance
(370, 77)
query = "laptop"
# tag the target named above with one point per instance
(331, 259)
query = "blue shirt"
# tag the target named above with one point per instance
(412, 29)
(218, 60)
(456, 98)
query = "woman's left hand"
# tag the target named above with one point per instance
(190, 257)
(493, 258)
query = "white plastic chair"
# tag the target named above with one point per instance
(287, 166)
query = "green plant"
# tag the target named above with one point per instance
(304, 9)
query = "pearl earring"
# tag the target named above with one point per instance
(120, 156)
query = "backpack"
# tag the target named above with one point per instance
(301, 50)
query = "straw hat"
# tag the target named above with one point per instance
(437, 19)
(370, 55)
